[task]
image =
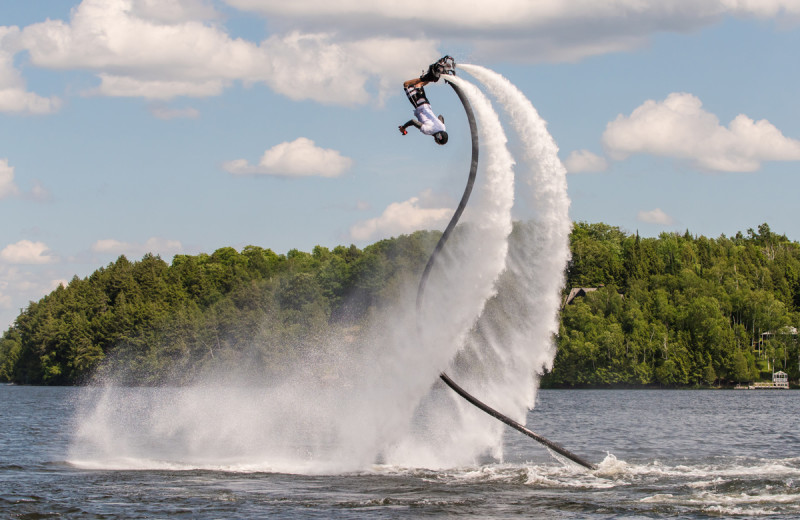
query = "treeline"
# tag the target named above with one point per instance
(679, 310)
(161, 322)
(676, 310)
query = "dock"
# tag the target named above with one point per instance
(780, 381)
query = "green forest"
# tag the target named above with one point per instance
(677, 310)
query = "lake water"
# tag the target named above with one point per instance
(661, 454)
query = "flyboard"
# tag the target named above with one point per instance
(446, 66)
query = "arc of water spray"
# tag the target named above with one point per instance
(473, 127)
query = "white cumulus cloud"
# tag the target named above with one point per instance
(348, 52)
(400, 218)
(18, 100)
(155, 245)
(581, 161)
(523, 30)
(8, 187)
(14, 98)
(298, 158)
(27, 252)
(680, 128)
(656, 216)
(146, 49)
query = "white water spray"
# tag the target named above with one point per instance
(381, 406)
(513, 340)
(464, 276)
(538, 261)
(462, 280)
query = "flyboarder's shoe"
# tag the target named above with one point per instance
(402, 130)
(432, 75)
(446, 65)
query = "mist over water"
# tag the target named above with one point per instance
(488, 317)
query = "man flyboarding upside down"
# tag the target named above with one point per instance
(426, 120)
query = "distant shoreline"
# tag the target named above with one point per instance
(546, 387)
(660, 387)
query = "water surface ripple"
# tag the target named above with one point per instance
(661, 454)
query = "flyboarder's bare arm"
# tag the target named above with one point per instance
(411, 122)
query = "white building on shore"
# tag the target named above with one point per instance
(780, 381)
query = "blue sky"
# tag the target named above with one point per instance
(183, 126)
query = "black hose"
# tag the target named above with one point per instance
(514, 424)
(473, 171)
(473, 128)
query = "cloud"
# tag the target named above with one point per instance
(38, 193)
(27, 252)
(17, 100)
(516, 13)
(14, 98)
(166, 113)
(319, 67)
(346, 53)
(402, 217)
(655, 216)
(155, 245)
(8, 188)
(762, 8)
(139, 56)
(139, 49)
(20, 286)
(580, 161)
(678, 127)
(126, 86)
(299, 158)
(172, 11)
(517, 29)
(7, 276)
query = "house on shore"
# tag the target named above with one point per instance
(577, 292)
(580, 292)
